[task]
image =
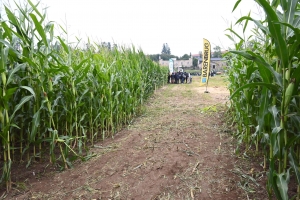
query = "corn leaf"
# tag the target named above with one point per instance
(21, 103)
(229, 36)
(12, 73)
(246, 23)
(272, 178)
(34, 125)
(282, 184)
(275, 3)
(66, 48)
(258, 23)
(63, 29)
(80, 64)
(261, 62)
(11, 17)
(231, 30)
(275, 30)
(236, 5)
(11, 48)
(29, 89)
(295, 42)
(34, 7)
(39, 28)
(291, 8)
(8, 94)
(255, 84)
(263, 108)
(294, 164)
(8, 31)
(284, 5)
(274, 111)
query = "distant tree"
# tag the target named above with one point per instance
(185, 57)
(163, 51)
(217, 52)
(167, 56)
(195, 62)
(166, 49)
(164, 56)
(154, 57)
(200, 54)
(106, 45)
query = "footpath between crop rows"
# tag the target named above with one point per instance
(179, 148)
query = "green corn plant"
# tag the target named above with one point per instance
(59, 98)
(275, 88)
(9, 69)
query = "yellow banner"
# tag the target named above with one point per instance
(205, 62)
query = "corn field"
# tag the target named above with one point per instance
(57, 99)
(264, 79)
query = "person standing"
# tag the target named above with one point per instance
(173, 77)
(186, 76)
(176, 77)
(182, 77)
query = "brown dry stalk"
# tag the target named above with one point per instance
(195, 167)
(192, 193)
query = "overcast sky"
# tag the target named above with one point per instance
(149, 23)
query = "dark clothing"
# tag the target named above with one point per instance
(173, 77)
(182, 79)
(186, 76)
(176, 77)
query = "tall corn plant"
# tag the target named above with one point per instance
(270, 89)
(11, 70)
(57, 99)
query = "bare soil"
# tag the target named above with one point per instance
(179, 148)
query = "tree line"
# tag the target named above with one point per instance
(166, 54)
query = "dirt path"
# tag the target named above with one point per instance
(177, 149)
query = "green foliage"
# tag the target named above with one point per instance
(154, 57)
(263, 71)
(167, 56)
(195, 62)
(185, 57)
(60, 98)
(166, 49)
(217, 52)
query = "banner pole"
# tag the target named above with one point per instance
(207, 85)
(205, 63)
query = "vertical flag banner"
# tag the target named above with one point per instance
(205, 63)
(171, 65)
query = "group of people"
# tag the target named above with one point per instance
(179, 77)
